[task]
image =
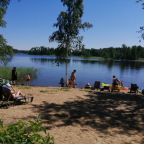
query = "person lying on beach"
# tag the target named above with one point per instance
(11, 94)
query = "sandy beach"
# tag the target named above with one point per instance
(78, 116)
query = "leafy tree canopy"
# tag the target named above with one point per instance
(141, 31)
(5, 50)
(69, 24)
(3, 7)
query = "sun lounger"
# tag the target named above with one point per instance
(134, 88)
(6, 98)
(23, 99)
(97, 85)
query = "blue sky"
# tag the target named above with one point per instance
(115, 22)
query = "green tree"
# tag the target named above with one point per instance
(5, 50)
(3, 7)
(69, 24)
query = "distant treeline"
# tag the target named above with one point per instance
(120, 53)
(20, 51)
(42, 51)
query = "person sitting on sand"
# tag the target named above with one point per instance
(116, 84)
(61, 82)
(116, 81)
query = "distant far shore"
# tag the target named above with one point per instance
(116, 53)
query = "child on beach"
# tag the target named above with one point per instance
(28, 79)
(61, 82)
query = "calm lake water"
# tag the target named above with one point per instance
(88, 70)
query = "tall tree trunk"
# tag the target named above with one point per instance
(66, 73)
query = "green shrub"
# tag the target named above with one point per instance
(30, 132)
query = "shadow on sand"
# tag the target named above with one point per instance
(99, 111)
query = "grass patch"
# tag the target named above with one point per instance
(44, 91)
(49, 91)
(53, 91)
(24, 87)
(65, 89)
(86, 90)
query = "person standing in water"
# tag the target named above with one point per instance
(73, 78)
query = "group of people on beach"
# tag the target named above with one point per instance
(71, 82)
(7, 89)
(115, 85)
